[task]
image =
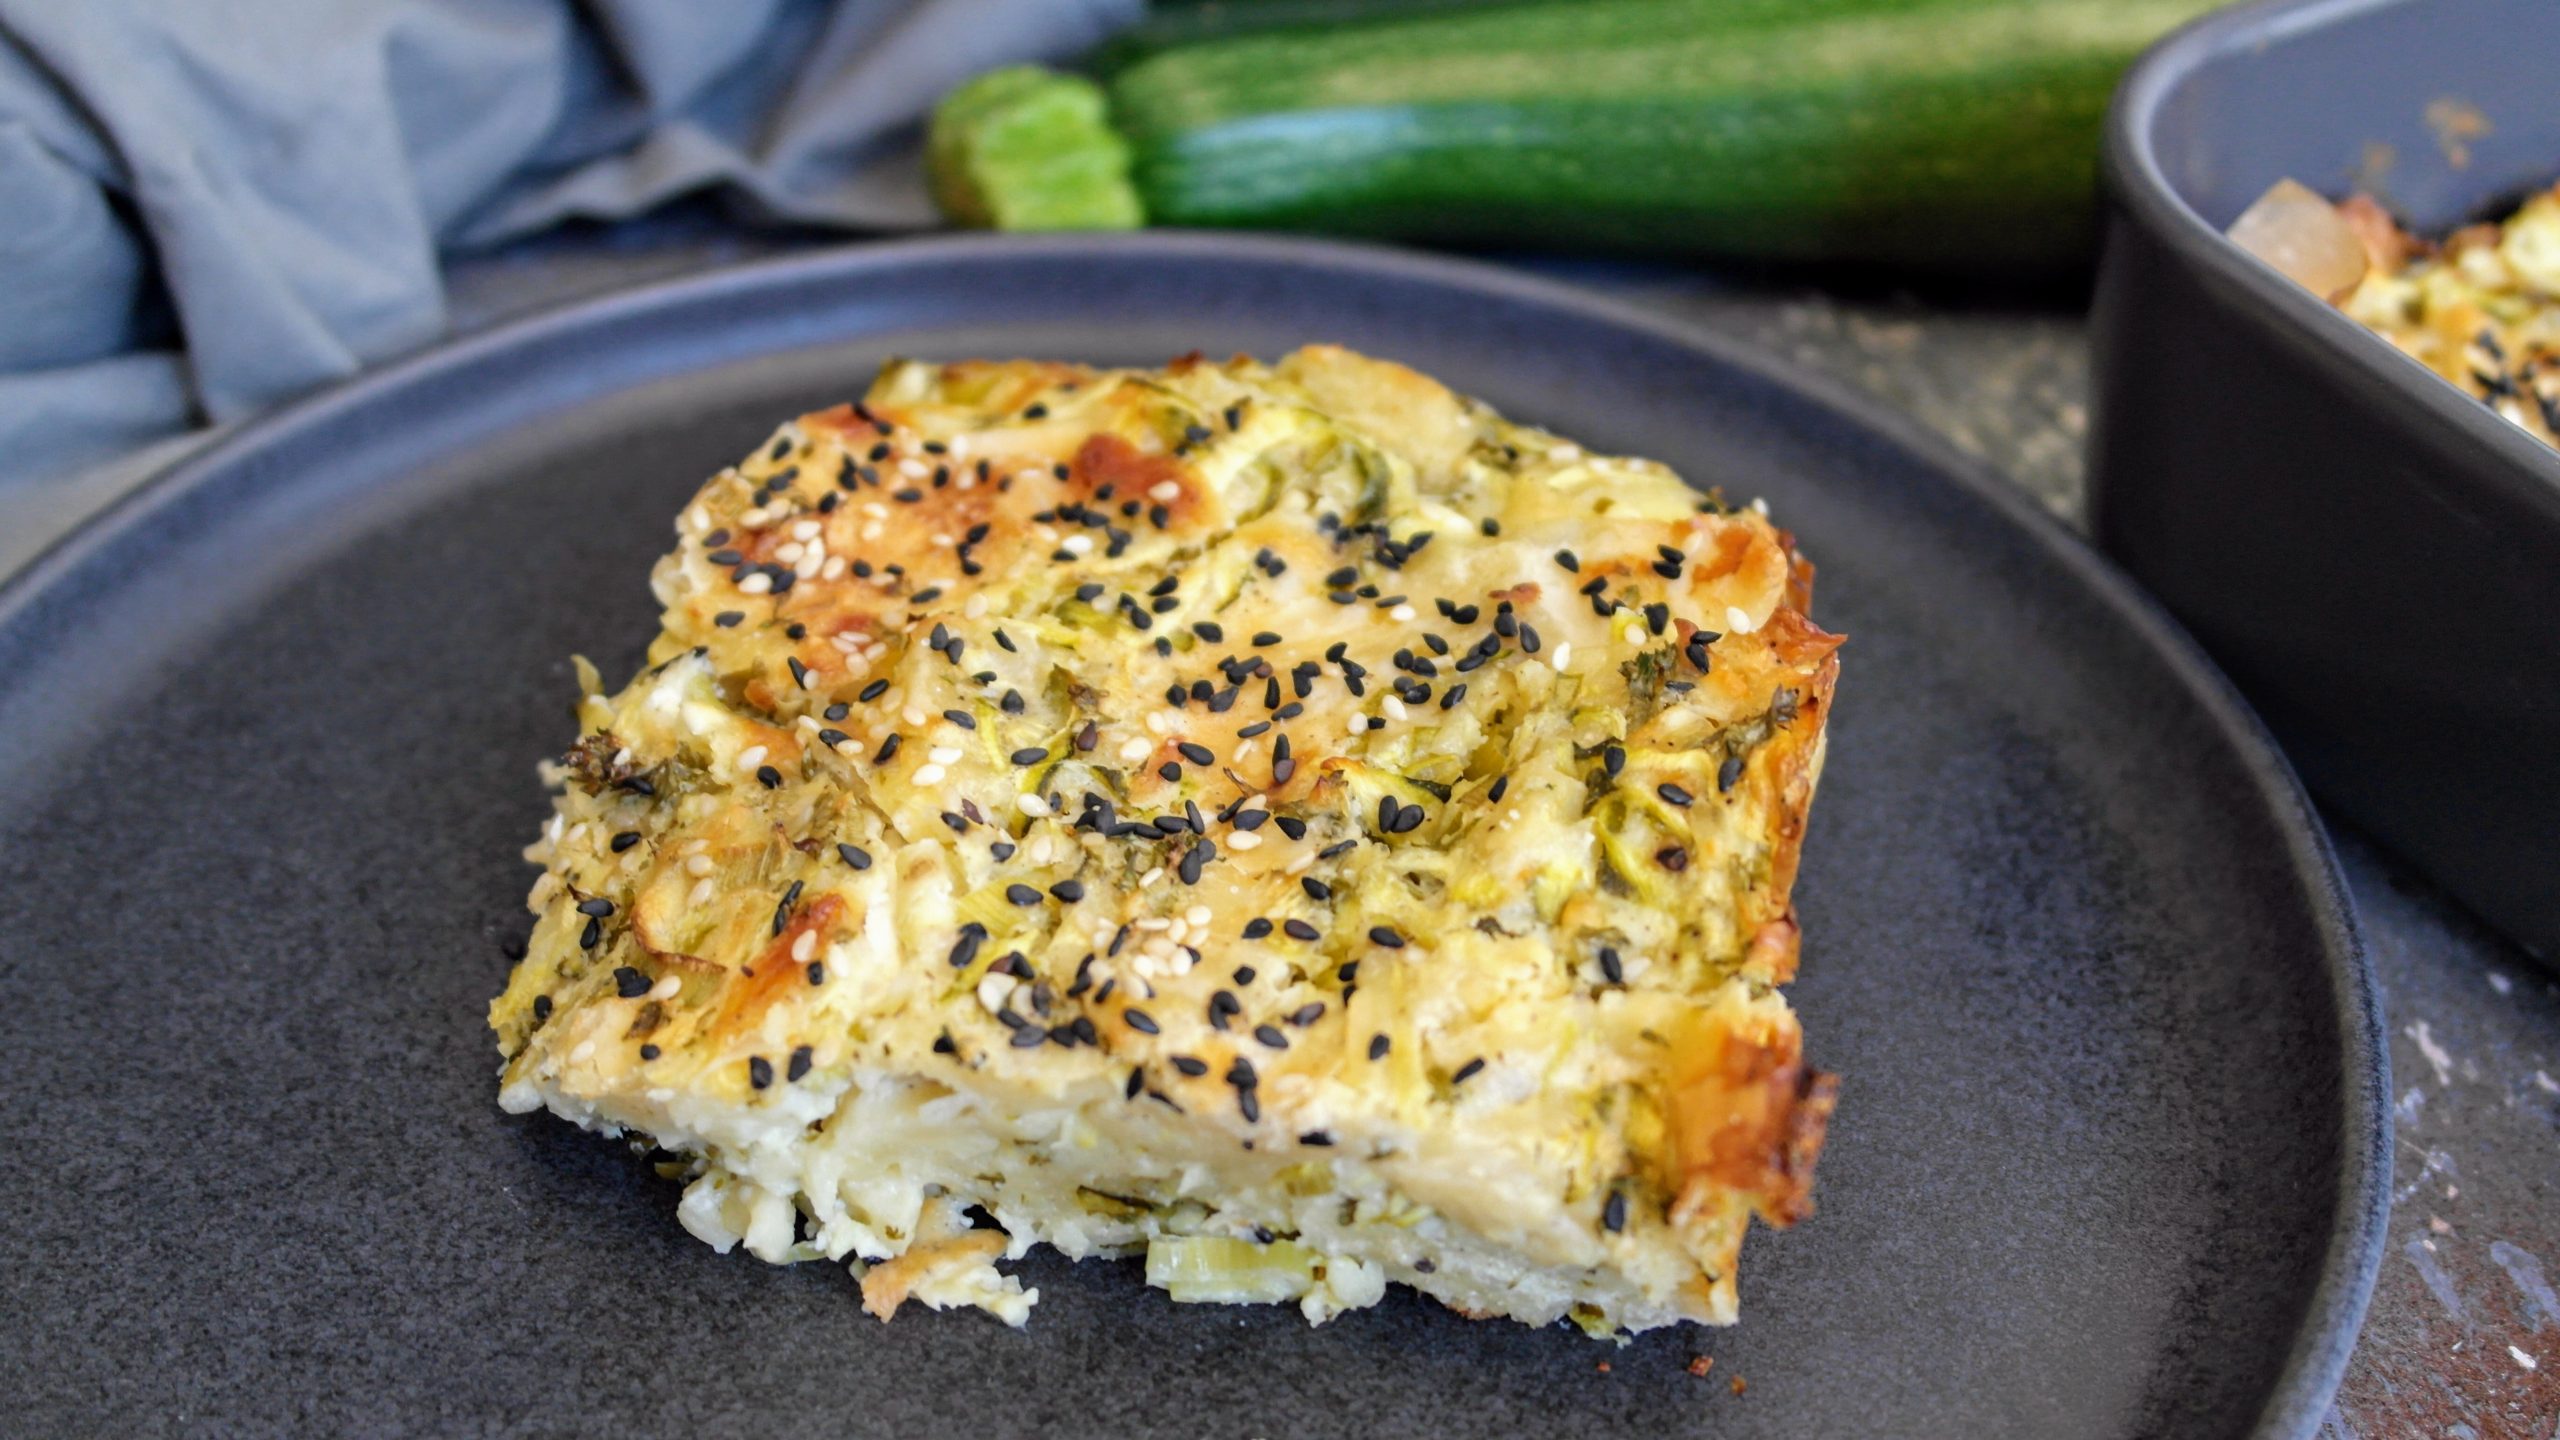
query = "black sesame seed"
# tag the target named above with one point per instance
(1566, 559)
(1675, 795)
(965, 949)
(799, 1066)
(1307, 1014)
(961, 718)
(1028, 1036)
(1315, 888)
(1256, 928)
(1196, 753)
(1377, 1047)
(595, 907)
(591, 936)
(727, 619)
(628, 983)
(1467, 1071)
(1672, 857)
(1265, 638)
(1022, 894)
(1191, 1066)
(888, 750)
(650, 1052)
(817, 972)
(1291, 826)
(1222, 1007)
(1613, 1216)
(1298, 930)
(1270, 1035)
(1140, 1021)
(1501, 783)
(1244, 974)
(1611, 968)
(1069, 891)
(1728, 773)
(872, 691)
(759, 1071)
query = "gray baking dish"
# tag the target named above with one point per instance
(2371, 554)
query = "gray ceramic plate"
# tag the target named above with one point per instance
(2110, 1144)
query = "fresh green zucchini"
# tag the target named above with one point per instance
(1910, 131)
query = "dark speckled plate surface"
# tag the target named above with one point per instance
(2110, 1140)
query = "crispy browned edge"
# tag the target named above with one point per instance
(1748, 1116)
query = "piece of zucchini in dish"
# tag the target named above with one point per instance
(1284, 819)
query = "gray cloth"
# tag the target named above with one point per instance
(207, 206)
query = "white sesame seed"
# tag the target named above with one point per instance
(805, 946)
(1245, 750)
(700, 865)
(1243, 840)
(751, 757)
(753, 518)
(804, 530)
(1401, 612)
(913, 468)
(1393, 706)
(697, 518)
(1077, 544)
(875, 509)
(668, 985)
(586, 1050)
(941, 541)
(994, 988)
(1136, 750)
(810, 561)
(959, 445)
(968, 481)
(1738, 620)
(1759, 506)
(976, 609)
(701, 895)
(1359, 725)
(1163, 490)
(832, 570)
(1199, 915)
(1152, 924)
(1030, 803)
(871, 530)
(756, 584)
(1300, 864)
(929, 774)
(1564, 652)
(1561, 452)
(1154, 874)
(695, 847)
(913, 715)
(1158, 948)
(943, 754)
(1039, 850)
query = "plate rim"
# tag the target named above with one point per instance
(2299, 1399)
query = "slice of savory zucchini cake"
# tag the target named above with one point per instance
(1283, 819)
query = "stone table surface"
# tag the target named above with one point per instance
(2463, 1339)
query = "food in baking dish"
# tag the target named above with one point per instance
(2482, 309)
(1283, 820)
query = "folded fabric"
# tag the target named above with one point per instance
(208, 207)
